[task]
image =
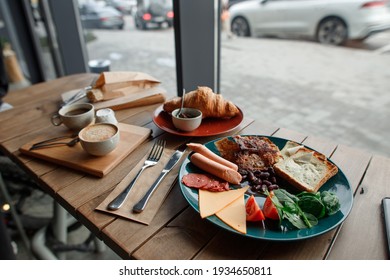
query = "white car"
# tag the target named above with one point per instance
(327, 21)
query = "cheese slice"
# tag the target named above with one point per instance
(212, 202)
(234, 214)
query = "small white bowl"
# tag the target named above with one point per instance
(189, 119)
(99, 139)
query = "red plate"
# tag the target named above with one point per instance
(208, 127)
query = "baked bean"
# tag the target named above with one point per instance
(260, 180)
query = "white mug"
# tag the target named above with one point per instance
(75, 116)
(99, 139)
(106, 115)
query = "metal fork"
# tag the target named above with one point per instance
(153, 157)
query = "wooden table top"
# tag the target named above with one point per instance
(177, 231)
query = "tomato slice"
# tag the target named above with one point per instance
(253, 211)
(269, 208)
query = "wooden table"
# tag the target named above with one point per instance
(177, 231)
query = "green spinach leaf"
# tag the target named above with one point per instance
(304, 209)
(331, 202)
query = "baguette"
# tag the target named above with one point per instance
(303, 168)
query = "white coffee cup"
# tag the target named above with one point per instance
(105, 115)
(75, 116)
(99, 139)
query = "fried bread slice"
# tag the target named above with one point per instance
(250, 153)
(303, 168)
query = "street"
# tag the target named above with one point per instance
(334, 92)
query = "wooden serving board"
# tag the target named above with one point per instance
(75, 157)
(131, 98)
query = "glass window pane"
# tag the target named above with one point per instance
(294, 64)
(137, 41)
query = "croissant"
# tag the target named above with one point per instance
(204, 99)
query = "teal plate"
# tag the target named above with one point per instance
(338, 184)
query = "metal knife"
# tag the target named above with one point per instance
(80, 94)
(175, 158)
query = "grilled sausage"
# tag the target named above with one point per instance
(199, 148)
(216, 169)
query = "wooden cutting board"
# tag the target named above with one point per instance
(131, 99)
(75, 157)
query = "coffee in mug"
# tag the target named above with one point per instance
(75, 116)
(99, 139)
(76, 112)
(101, 132)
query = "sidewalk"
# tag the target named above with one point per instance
(332, 92)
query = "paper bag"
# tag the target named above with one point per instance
(108, 82)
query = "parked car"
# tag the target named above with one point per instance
(232, 2)
(153, 12)
(101, 17)
(126, 7)
(327, 21)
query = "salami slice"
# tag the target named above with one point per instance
(205, 182)
(194, 180)
(215, 185)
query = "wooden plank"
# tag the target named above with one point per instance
(136, 116)
(290, 135)
(187, 242)
(259, 128)
(35, 104)
(324, 146)
(48, 89)
(244, 124)
(124, 236)
(87, 188)
(25, 122)
(94, 220)
(24, 114)
(362, 235)
(155, 95)
(39, 167)
(68, 176)
(14, 144)
(229, 246)
(308, 249)
(352, 162)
